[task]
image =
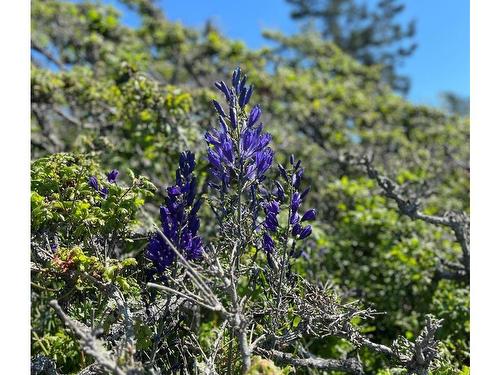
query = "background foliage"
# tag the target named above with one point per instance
(107, 96)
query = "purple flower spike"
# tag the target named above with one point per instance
(243, 155)
(178, 218)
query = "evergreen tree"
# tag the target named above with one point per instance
(372, 35)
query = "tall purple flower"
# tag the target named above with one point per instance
(240, 152)
(179, 219)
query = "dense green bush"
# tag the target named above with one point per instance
(108, 96)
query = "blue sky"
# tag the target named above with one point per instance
(440, 63)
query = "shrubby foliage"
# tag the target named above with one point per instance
(106, 96)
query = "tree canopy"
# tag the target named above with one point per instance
(370, 34)
(389, 181)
